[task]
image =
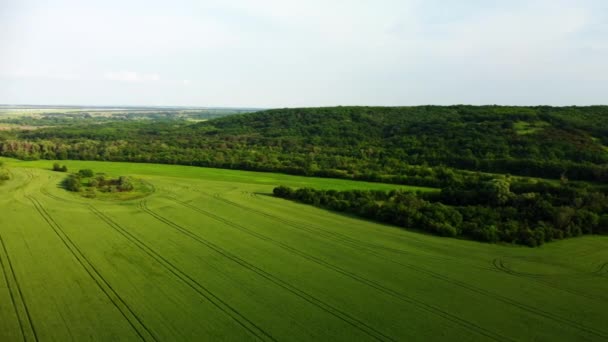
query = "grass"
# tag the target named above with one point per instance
(208, 257)
(524, 127)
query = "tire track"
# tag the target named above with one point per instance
(370, 283)
(46, 193)
(26, 325)
(360, 325)
(135, 322)
(499, 265)
(353, 243)
(248, 325)
(387, 232)
(601, 271)
(319, 231)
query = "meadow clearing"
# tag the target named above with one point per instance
(210, 255)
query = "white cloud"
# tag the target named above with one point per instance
(130, 76)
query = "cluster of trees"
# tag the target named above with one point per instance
(404, 209)
(482, 208)
(85, 180)
(59, 168)
(389, 144)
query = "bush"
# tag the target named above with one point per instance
(4, 175)
(124, 184)
(86, 173)
(72, 183)
(283, 191)
(58, 168)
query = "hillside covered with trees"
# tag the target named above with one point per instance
(411, 145)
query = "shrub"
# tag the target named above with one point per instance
(72, 183)
(283, 191)
(58, 168)
(4, 175)
(86, 173)
(124, 184)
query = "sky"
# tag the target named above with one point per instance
(287, 53)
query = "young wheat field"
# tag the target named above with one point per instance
(210, 255)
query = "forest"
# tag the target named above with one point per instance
(406, 145)
(490, 209)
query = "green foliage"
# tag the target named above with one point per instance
(59, 168)
(493, 210)
(72, 183)
(124, 184)
(4, 175)
(86, 173)
(383, 144)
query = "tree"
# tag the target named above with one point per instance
(283, 191)
(58, 168)
(124, 184)
(86, 173)
(72, 183)
(499, 190)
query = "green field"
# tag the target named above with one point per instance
(209, 255)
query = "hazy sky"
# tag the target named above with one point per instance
(284, 53)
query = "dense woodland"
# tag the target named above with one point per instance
(409, 145)
(484, 208)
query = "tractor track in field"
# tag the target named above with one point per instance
(134, 321)
(601, 271)
(368, 330)
(49, 195)
(499, 265)
(320, 231)
(17, 298)
(360, 244)
(248, 325)
(353, 244)
(340, 238)
(378, 287)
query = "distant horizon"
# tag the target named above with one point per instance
(93, 106)
(29, 105)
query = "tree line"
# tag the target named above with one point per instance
(483, 208)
